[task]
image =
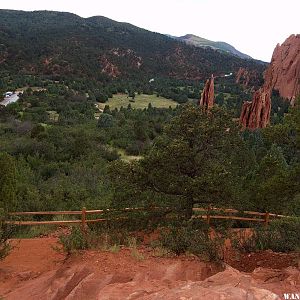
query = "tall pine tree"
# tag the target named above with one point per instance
(7, 182)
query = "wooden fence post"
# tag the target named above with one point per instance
(267, 218)
(208, 215)
(83, 219)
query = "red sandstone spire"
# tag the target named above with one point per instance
(282, 74)
(207, 97)
(256, 114)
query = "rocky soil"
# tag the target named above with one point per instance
(35, 270)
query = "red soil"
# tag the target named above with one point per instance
(264, 259)
(34, 267)
(28, 259)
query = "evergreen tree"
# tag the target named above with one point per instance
(105, 120)
(200, 159)
(7, 182)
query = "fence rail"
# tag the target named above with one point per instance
(208, 215)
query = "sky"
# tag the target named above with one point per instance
(252, 26)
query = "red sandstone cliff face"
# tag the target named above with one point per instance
(283, 74)
(208, 94)
(244, 76)
(256, 114)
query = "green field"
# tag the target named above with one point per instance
(127, 157)
(140, 101)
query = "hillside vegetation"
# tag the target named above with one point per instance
(63, 45)
(150, 143)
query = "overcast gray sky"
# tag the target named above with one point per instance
(252, 26)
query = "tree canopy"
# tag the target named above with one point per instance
(7, 182)
(200, 158)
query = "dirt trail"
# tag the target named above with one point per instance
(28, 259)
(37, 255)
(34, 270)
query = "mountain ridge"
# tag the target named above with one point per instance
(61, 44)
(218, 45)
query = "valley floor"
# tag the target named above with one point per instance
(140, 102)
(35, 269)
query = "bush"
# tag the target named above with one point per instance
(6, 232)
(280, 236)
(76, 240)
(206, 247)
(109, 154)
(176, 240)
(135, 148)
(100, 236)
(196, 240)
(105, 121)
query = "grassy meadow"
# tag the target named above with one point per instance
(140, 101)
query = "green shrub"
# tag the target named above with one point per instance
(108, 234)
(76, 240)
(109, 154)
(25, 232)
(280, 236)
(98, 236)
(207, 247)
(6, 231)
(195, 239)
(176, 239)
(105, 121)
(134, 148)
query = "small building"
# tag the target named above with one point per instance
(9, 97)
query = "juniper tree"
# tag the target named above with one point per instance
(7, 182)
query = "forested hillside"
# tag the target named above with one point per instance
(63, 45)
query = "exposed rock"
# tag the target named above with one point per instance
(244, 76)
(256, 114)
(283, 73)
(179, 57)
(208, 95)
(109, 68)
(136, 61)
(82, 282)
(106, 275)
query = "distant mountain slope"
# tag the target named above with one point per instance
(222, 46)
(61, 44)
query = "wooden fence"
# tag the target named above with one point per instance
(208, 214)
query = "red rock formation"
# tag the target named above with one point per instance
(108, 67)
(207, 97)
(83, 281)
(283, 73)
(256, 114)
(243, 76)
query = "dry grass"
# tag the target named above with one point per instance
(140, 101)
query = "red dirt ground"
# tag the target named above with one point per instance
(264, 259)
(28, 259)
(31, 258)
